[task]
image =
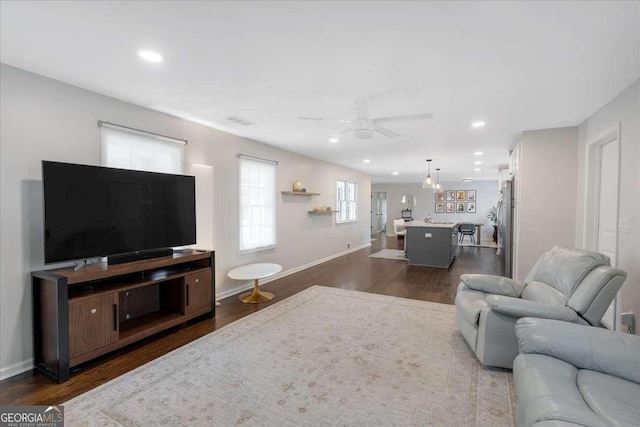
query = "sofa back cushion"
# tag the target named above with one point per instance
(563, 269)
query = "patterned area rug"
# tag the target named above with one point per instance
(390, 254)
(323, 357)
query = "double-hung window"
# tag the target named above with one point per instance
(126, 148)
(346, 201)
(257, 204)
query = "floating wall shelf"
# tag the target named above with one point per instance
(299, 193)
(322, 212)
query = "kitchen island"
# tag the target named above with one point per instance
(431, 244)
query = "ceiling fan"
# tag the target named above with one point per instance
(364, 126)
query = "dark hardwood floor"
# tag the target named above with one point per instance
(354, 271)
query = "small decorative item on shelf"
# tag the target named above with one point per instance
(297, 185)
(304, 190)
(328, 208)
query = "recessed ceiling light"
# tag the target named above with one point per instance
(334, 139)
(478, 153)
(477, 169)
(366, 161)
(477, 162)
(395, 173)
(478, 124)
(149, 55)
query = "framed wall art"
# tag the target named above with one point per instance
(461, 207)
(471, 195)
(471, 207)
(450, 207)
(461, 195)
(451, 196)
(439, 207)
(439, 197)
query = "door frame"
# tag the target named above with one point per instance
(591, 212)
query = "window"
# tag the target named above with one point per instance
(131, 149)
(257, 204)
(346, 204)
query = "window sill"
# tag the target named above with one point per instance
(256, 250)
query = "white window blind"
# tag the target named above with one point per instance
(130, 149)
(257, 204)
(346, 201)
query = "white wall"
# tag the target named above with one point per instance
(625, 110)
(546, 182)
(486, 194)
(43, 119)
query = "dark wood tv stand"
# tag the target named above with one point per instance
(80, 315)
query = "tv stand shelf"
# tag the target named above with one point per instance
(80, 315)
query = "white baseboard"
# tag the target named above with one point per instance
(247, 286)
(16, 368)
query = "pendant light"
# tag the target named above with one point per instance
(428, 182)
(438, 186)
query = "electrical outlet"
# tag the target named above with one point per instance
(624, 225)
(627, 319)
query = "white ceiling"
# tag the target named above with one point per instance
(515, 65)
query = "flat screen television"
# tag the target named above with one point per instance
(92, 211)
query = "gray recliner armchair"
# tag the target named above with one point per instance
(574, 375)
(571, 285)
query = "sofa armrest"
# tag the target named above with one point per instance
(493, 284)
(517, 307)
(585, 347)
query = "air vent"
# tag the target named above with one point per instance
(467, 179)
(238, 120)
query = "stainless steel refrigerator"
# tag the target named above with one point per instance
(505, 227)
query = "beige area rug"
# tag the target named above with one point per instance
(323, 357)
(397, 254)
(485, 244)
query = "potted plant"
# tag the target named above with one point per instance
(493, 217)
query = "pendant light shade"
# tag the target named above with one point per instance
(428, 182)
(438, 186)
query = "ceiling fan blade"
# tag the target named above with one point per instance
(386, 132)
(321, 119)
(405, 117)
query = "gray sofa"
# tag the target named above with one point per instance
(574, 375)
(571, 285)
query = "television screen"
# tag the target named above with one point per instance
(92, 211)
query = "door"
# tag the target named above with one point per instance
(197, 287)
(607, 210)
(378, 211)
(93, 323)
(382, 210)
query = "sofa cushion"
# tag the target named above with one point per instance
(546, 389)
(469, 303)
(544, 294)
(614, 399)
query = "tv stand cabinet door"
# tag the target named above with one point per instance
(197, 287)
(93, 323)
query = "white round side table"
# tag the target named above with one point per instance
(255, 272)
